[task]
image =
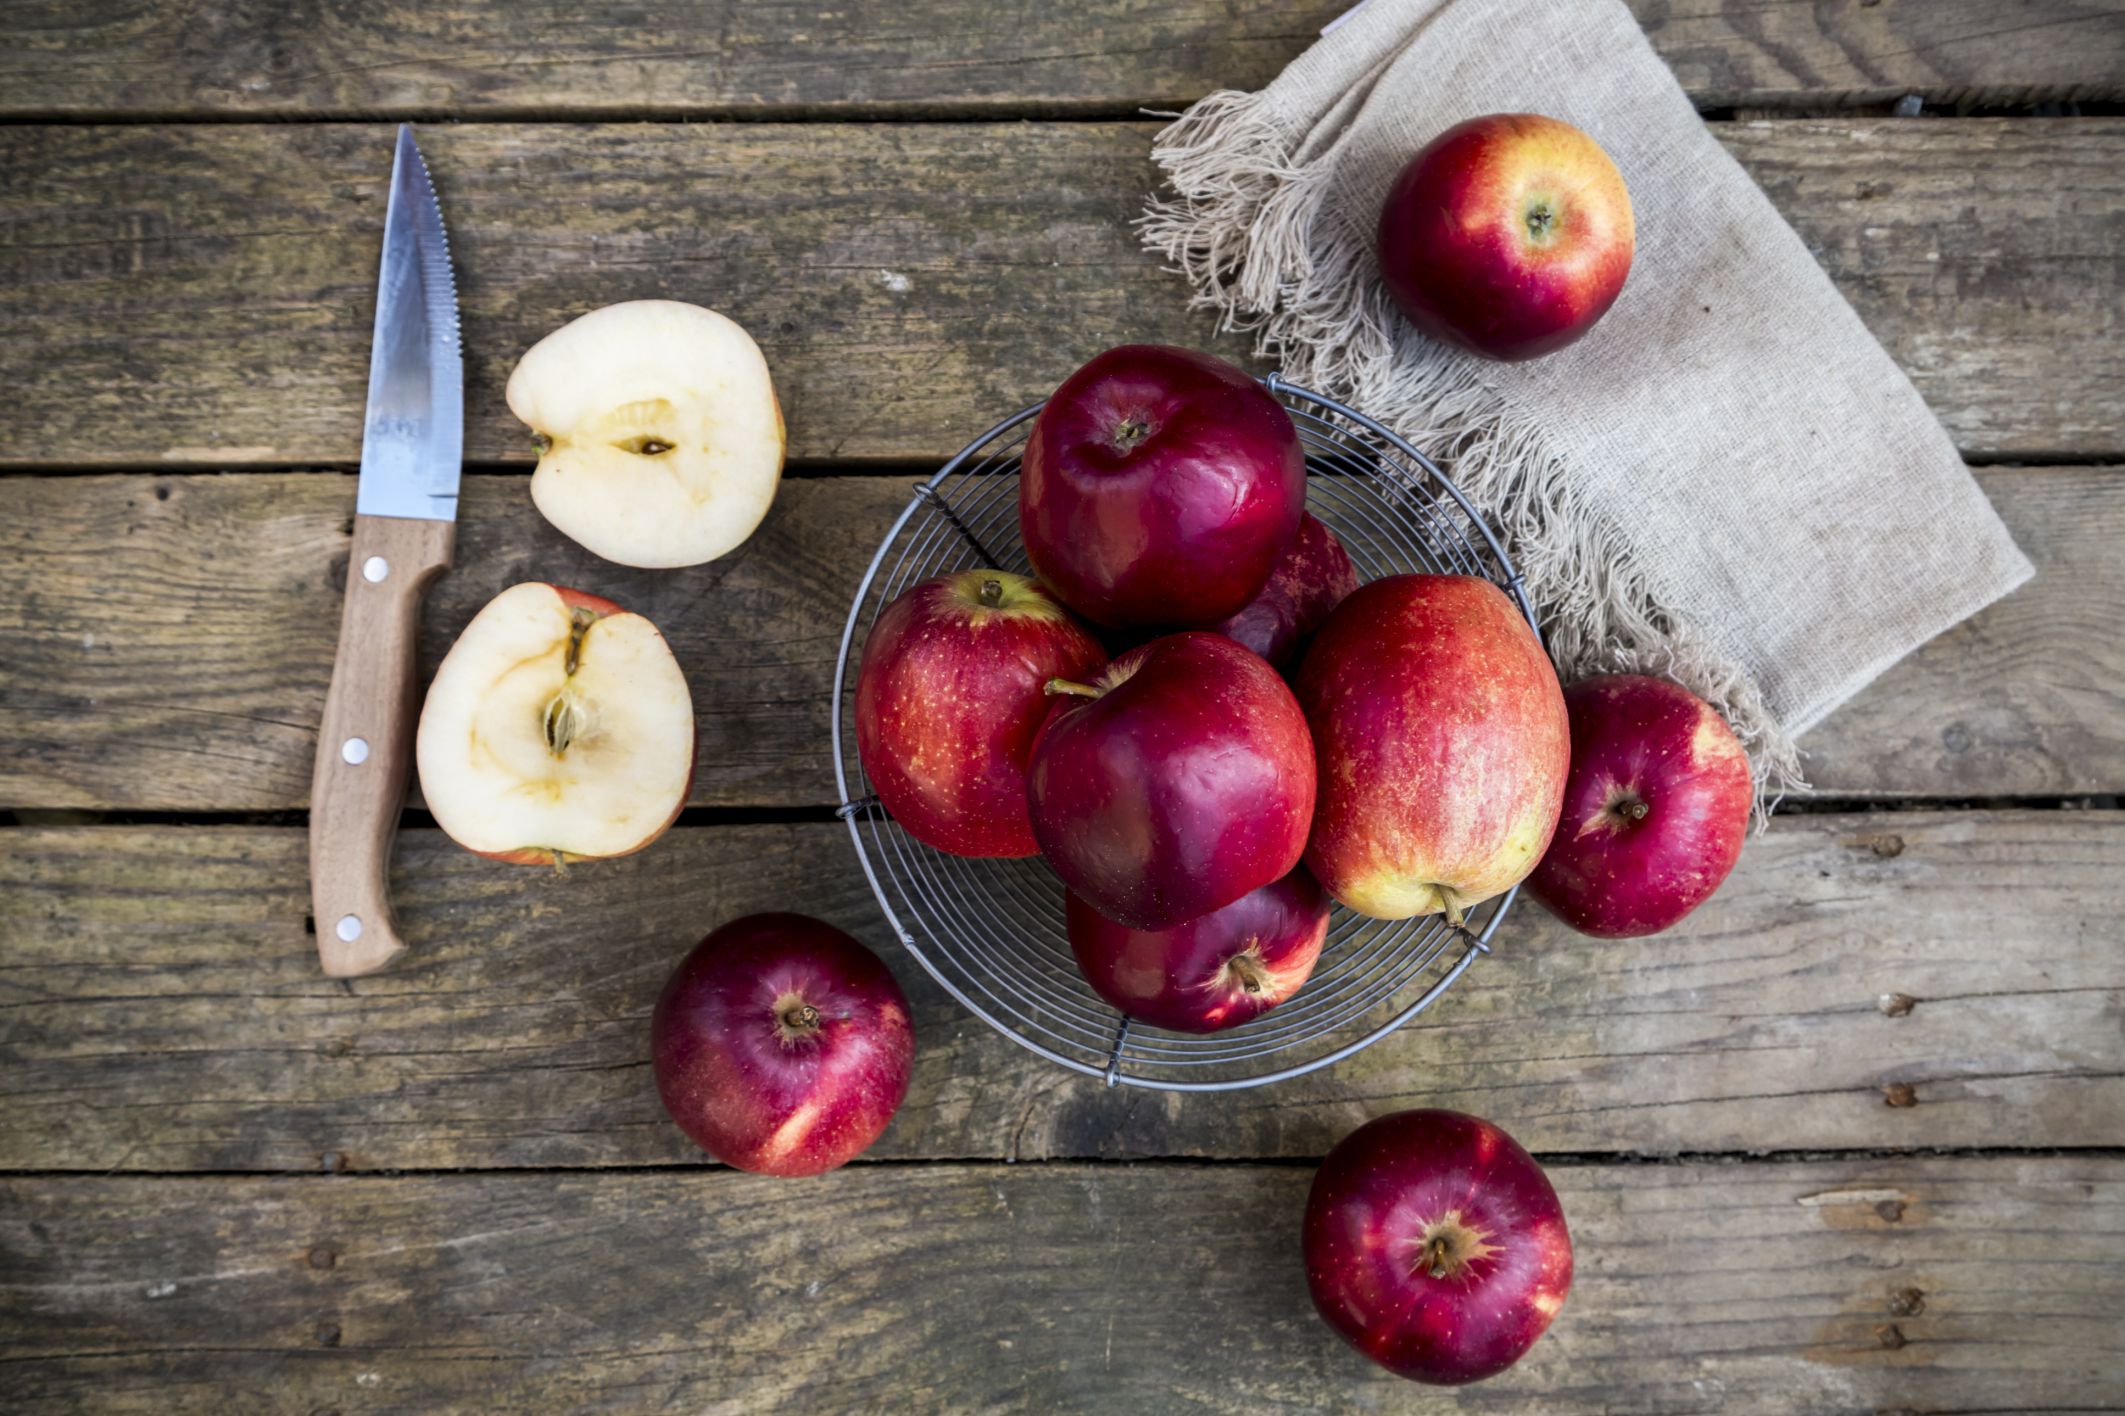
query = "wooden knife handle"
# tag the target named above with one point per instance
(365, 744)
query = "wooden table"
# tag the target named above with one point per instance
(1848, 1139)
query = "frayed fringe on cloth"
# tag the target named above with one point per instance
(1247, 227)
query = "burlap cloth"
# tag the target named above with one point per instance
(1727, 481)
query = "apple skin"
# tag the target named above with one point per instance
(1655, 809)
(1441, 746)
(1308, 581)
(1184, 781)
(1212, 972)
(1158, 487)
(1424, 1193)
(754, 1081)
(949, 699)
(1508, 235)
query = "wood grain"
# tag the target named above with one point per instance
(201, 295)
(1937, 1284)
(160, 1009)
(678, 58)
(181, 630)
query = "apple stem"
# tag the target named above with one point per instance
(1450, 907)
(992, 593)
(1248, 970)
(802, 1018)
(1435, 1256)
(1075, 690)
(1636, 810)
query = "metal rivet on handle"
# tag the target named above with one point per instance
(349, 928)
(354, 751)
(375, 568)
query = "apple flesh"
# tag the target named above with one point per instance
(1441, 746)
(660, 438)
(1177, 781)
(949, 698)
(781, 1045)
(1436, 1246)
(1307, 582)
(1655, 808)
(1158, 487)
(1508, 235)
(558, 728)
(1212, 972)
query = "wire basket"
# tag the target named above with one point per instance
(991, 931)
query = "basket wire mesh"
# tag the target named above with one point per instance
(991, 931)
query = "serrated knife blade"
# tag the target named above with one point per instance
(413, 436)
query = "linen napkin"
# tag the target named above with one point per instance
(1727, 481)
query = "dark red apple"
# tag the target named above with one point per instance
(1436, 1246)
(1308, 580)
(781, 1045)
(1174, 783)
(1440, 743)
(1158, 487)
(1508, 235)
(1212, 972)
(1655, 808)
(949, 698)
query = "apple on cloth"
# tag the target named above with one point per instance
(781, 1045)
(558, 728)
(660, 439)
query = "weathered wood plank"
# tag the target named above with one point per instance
(1937, 1284)
(174, 637)
(678, 58)
(201, 295)
(160, 1009)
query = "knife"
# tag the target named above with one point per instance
(405, 522)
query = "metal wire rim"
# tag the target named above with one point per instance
(990, 932)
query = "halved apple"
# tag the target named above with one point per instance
(660, 438)
(558, 728)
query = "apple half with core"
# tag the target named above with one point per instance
(1212, 972)
(1436, 1246)
(660, 440)
(1508, 235)
(781, 1045)
(1441, 746)
(1158, 487)
(1175, 782)
(1308, 581)
(558, 728)
(950, 695)
(1655, 809)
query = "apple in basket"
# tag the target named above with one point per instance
(781, 1045)
(660, 440)
(1212, 972)
(1655, 808)
(1308, 580)
(1175, 782)
(1441, 746)
(1508, 235)
(949, 697)
(1158, 487)
(1436, 1246)
(558, 728)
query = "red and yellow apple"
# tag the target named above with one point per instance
(950, 695)
(1308, 580)
(1158, 487)
(1655, 808)
(1441, 746)
(558, 728)
(1508, 235)
(1177, 781)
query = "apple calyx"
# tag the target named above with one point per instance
(991, 594)
(796, 1021)
(1450, 1245)
(1541, 218)
(1130, 433)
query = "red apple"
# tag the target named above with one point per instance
(781, 1045)
(1308, 580)
(1212, 972)
(1174, 783)
(1158, 487)
(1655, 808)
(1508, 235)
(949, 698)
(1441, 746)
(1436, 1246)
